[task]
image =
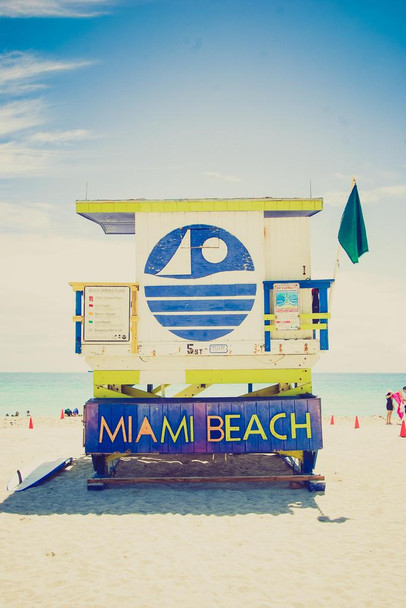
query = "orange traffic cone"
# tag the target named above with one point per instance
(403, 429)
(332, 420)
(62, 415)
(356, 426)
(30, 424)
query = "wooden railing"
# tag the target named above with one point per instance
(78, 318)
(316, 321)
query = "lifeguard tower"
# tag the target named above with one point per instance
(224, 297)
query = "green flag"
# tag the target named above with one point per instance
(352, 235)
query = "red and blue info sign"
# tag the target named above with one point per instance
(226, 425)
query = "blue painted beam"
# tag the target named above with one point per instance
(78, 324)
(267, 311)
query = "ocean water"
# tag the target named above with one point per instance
(46, 394)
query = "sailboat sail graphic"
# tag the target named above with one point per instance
(181, 262)
(188, 308)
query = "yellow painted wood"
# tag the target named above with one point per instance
(245, 376)
(304, 315)
(305, 327)
(193, 205)
(269, 391)
(121, 391)
(78, 286)
(134, 319)
(315, 315)
(116, 377)
(192, 390)
(102, 392)
(114, 456)
(134, 334)
(294, 454)
(130, 391)
(306, 387)
(282, 388)
(159, 388)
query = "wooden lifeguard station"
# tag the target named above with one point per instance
(224, 296)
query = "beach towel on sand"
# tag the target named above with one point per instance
(398, 398)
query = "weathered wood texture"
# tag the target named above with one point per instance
(207, 426)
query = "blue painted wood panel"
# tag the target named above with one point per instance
(231, 425)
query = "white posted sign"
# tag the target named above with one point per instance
(286, 306)
(106, 314)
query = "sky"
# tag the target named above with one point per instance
(199, 98)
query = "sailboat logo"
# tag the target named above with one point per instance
(183, 302)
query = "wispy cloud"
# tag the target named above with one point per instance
(22, 160)
(24, 218)
(16, 68)
(60, 137)
(26, 150)
(383, 193)
(19, 115)
(54, 8)
(220, 176)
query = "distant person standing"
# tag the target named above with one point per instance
(403, 398)
(389, 407)
(397, 399)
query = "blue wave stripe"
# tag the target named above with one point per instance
(201, 335)
(199, 305)
(200, 291)
(200, 320)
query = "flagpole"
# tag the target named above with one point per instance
(337, 264)
(336, 267)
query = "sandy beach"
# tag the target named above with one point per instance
(232, 545)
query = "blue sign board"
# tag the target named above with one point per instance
(232, 425)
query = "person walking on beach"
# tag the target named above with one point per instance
(389, 407)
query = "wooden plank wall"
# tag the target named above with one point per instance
(209, 426)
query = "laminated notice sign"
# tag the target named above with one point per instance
(106, 314)
(286, 306)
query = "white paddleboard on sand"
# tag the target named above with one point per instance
(19, 482)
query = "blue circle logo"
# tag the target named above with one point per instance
(189, 308)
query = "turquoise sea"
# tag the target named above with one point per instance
(46, 394)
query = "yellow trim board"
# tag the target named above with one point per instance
(181, 205)
(305, 327)
(104, 377)
(247, 376)
(79, 286)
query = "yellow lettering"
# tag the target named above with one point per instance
(105, 426)
(250, 431)
(130, 429)
(166, 426)
(306, 425)
(191, 429)
(145, 429)
(230, 429)
(272, 426)
(218, 428)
